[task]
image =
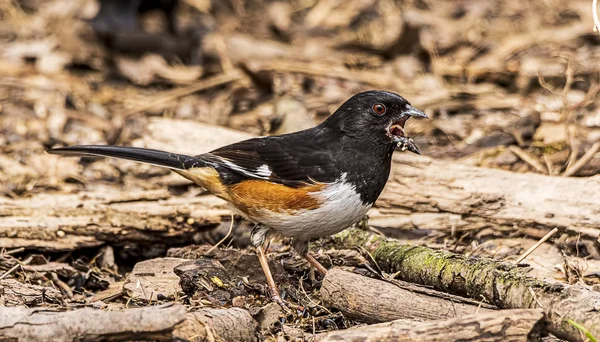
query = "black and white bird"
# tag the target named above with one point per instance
(303, 185)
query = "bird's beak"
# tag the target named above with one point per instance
(415, 113)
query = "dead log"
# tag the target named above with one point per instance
(232, 324)
(37, 324)
(71, 221)
(504, 325)
(13, 293)
(504, 285)
(153, 323)
(373, 301)
(154, 279)
(447, 194)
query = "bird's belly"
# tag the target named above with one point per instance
(340, 208)
(313, 224)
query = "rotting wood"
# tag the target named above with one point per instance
(154, 279)
(154, 323)
(38, 324)
(503, 325)
(502, 284)
(232, 324)
(106, 214)
(13, 293)
(373, 301)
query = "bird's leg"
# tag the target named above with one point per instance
(311, 259)
(301, 248)
(264, 263)
(259, 239)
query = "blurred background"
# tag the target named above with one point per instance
(507, 84)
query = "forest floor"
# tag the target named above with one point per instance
(508, 85)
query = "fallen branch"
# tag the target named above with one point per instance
(13, 293)
(156, 323)
(505, 325)
(373, 301)
(232, 324)
(70, 221)
(37, 324)
(589, 155)
(504, 285)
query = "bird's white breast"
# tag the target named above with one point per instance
(340, 208)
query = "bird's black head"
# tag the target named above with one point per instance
(376, 117)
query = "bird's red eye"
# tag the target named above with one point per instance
(379, 109)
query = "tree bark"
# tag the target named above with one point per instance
(373, 301)
(504, 325)
(58, 222)
(153, 323)
(14, 293)
(232, 324)
(429, 194)
(501, 284)
(37, 324)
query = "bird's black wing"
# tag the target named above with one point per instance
(290, 159)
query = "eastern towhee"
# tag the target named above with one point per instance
(303, 185)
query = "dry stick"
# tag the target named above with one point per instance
(13, 251)
(595, 16)
(223, 239)
(549, 164)
(529, 159)
(537, 244)
(327, 71)
(583, 160)
(179, 92)
(62, 285)
(9, 271)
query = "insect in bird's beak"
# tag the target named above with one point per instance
(396, 130)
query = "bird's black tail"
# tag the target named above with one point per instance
(144, 155)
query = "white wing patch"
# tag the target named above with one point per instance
(264, 171)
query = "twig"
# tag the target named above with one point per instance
(225, 238)
(529, 159)
(322, 70)
(9, 271)
(534, 247)
(549, 164)
(595, 15)
(13, 251)
(179, 92)
(61, 284)
(583, 160)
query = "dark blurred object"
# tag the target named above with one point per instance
(118, 26)
(123, 15)
(519, 132)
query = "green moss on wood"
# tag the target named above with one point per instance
(499, 283)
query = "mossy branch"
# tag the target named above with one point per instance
(501, 284)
